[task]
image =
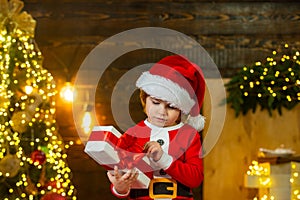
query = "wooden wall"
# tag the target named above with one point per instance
(238, 145)
(234, 33)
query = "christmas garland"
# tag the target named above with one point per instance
(273, 84)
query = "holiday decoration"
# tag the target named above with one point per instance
(32, 155)
(101, 147)
(273, 84)
(53, 196)
(38, 157)
(274, 180)
(258, 175)
(26, 115)
(10, 165)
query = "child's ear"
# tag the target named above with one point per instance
(182, 118)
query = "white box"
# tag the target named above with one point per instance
(101, 144)
(280, 193)
(253, 181)
(102, 152)
(108, 129)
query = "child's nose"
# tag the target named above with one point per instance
(162, 109)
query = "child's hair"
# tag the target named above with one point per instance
(143, 96)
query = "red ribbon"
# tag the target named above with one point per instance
(104, 136)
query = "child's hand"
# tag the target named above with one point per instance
(153, 150)
(122, 182)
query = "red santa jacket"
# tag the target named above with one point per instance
(181, 144)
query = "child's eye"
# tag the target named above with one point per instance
(155, 101)
(171, 106)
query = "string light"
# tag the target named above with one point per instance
(275, 82)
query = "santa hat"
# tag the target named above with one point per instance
(180, 82)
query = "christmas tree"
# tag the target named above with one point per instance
(32, 153)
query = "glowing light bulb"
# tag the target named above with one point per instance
(67, 92)
(87, 121)
(28, 89)
(251, 84)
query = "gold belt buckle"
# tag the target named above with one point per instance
(163, 180)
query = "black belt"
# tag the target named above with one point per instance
(161, 188)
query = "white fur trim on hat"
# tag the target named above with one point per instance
(197, 122)
(167, 90)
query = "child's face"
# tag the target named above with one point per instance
(160, 113)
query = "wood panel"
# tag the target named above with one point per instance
(234, 33)
(197, 18)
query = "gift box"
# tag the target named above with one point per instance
(103, 153)
(105, 133)
(101, 146)
(142, 181)
(253, 181)
(282, 182)
(285, 180)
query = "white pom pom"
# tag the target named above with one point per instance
(197, 122)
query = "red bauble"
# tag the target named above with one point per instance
(53, 184)
(38, 156)
(53, 196)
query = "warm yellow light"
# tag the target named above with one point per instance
(86, 123)
(264, 181)
(28, 89)
(67, 92)
(251, 84)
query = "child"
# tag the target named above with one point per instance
(172, 93)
